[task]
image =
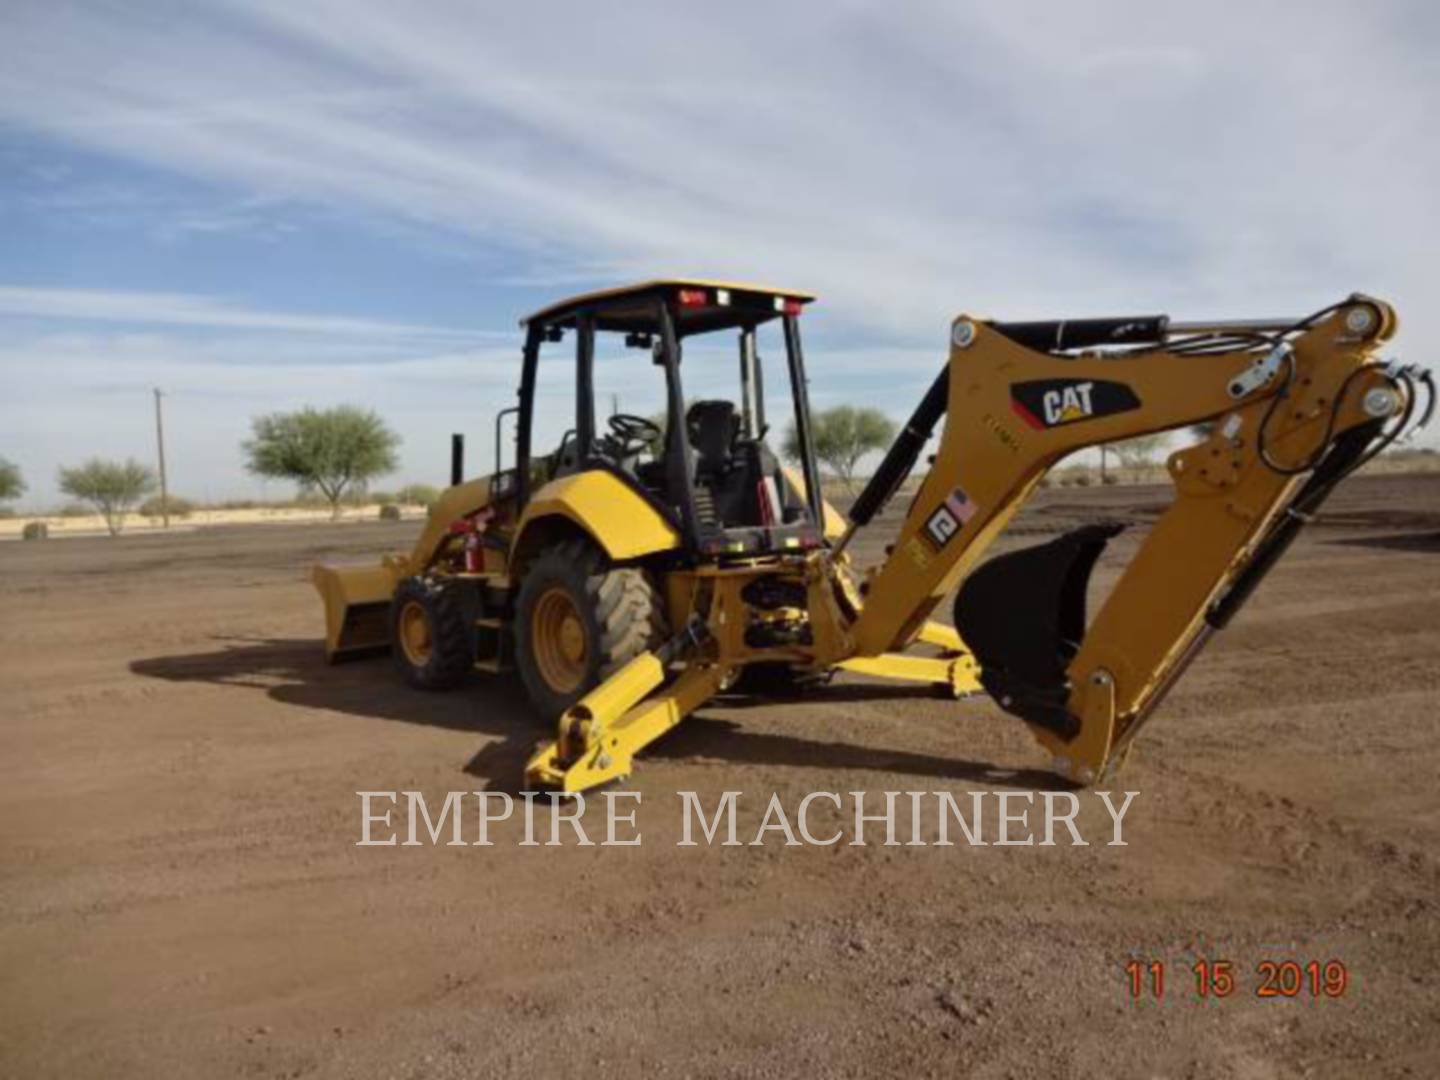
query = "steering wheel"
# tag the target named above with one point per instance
(633, 433)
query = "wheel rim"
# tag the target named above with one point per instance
(557, 639)
(415, 639)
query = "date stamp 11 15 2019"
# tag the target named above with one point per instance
(1206, 979)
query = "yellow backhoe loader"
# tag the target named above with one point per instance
(633, 573)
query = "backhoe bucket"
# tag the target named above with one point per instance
(1023, 616)
(357, 609)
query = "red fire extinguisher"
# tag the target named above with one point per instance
(474, 557)
(473, 546)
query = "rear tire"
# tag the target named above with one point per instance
(432, 641)
(577, 620)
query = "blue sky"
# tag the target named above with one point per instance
(263, 205)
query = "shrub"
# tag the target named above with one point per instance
(155, 508)
(74, 510)
(389, 512)
(418, 495)
(382, 498)
(35, 530)
(1109, 478)
(1082, 480)
(239, 504)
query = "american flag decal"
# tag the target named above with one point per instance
(949, 518)
(960, 505)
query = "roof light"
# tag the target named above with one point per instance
(693, 298)
(722, 297)
(792, 307)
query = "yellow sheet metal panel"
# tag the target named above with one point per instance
(611, 512)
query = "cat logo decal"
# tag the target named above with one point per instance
(1048, 403)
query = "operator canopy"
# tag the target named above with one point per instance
(697, 306)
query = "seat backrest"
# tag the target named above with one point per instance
(711, 427)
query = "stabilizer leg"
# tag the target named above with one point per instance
(602, 733)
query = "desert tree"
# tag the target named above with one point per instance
(842, 436)
(11, 484)
(112, 487)
(329, 451)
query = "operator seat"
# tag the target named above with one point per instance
(712, 427)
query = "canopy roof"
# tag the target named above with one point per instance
(697, 305)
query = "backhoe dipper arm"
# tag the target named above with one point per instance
(1285, 406)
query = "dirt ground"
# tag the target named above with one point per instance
(181, 894)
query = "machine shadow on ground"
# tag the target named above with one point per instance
(293, 671)
(1426, 541)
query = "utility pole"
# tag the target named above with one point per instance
(160, 443)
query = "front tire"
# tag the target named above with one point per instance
(432, 641)
(577, 620)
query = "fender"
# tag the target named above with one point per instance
(605, 508)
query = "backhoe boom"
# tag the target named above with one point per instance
(1278, 405)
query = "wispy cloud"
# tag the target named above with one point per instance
(182, 309)
(905, 161)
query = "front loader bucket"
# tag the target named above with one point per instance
(357, 609)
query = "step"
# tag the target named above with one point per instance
(494, 640)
